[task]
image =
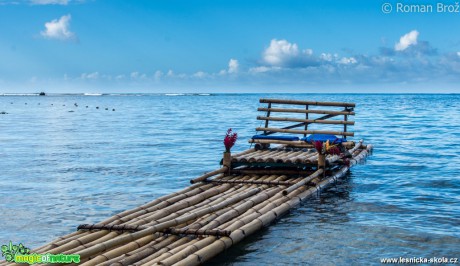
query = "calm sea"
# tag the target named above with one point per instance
(64, 162)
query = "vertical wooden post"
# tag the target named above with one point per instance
(268, 115)
(227, 161)
(345, 118)
(306, 117)
(322, 163)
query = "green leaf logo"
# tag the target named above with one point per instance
(8, 251)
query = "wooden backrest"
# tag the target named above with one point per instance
(307, 114)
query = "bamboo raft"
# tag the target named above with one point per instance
(222, 207)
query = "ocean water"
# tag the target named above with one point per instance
(63, 165)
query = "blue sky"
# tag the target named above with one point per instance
(226, 46)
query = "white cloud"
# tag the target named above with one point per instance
(285, 54)
(59, 29)
(279, 52)
(170, 73)
(308, 51)
(328, 57)
(262, 69)
(458, 53)
(94, 75)
(49, 2)
(137, 76)
(233, 66)
(158, 74)
(347, 61)
(200, 74)
(134, 75)
(407, 40)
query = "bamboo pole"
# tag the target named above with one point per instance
(269, 155)
(234, 158)
(213, 173)
(106, 237)
(309, 121)
(244, 152)
(286, 154)
(136, 255)
(150, 218)
(348, 144)
(254, 212)
(235, 211)
(217, 214)
(258, 202)
(303, 182)
(296, 102)
(122, 249)
(242, 189)
(222, 190)
(332, 159)
(150, 204)
(163, 204)
(321, 161)
(151, 256)
(262, 154)
(291, 158)
(188, 202)
(212, 200)
(220, 197)
(77, 242)
(304, 158)
(138, 218)
(268, 171)
(227, 160)
(250, 156)
(184, 252)
(134, 228)
(224, 243)
(261, 182)
(131, 237)
(57, 240)
(170, 252)
(295, 131)
(193, 246)
(304, 111)
(356, 147)
(277, 157)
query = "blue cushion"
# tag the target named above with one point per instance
(323, 138)
(288, 138)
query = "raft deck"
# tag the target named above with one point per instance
(250, 191)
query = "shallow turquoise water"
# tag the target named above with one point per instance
(59, 169)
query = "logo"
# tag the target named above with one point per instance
(21, 254)
(10, 251)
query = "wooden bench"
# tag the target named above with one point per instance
(308, 114)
